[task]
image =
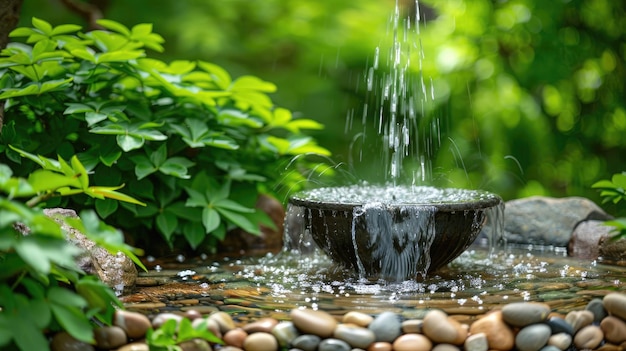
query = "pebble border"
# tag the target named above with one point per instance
(523, 326)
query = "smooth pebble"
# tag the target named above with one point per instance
(560, 325)
(380, 346)
(306, 342)
(443, 330)
(235, 337)
(196, 344)
(109, 337)
(358, 318)
(588, 337)
(332, 344)
(445, 347)
(499, 335)
(63, 341)
(412, 342)
(386, 326)
(223, 320)
(412, 326)
(562, 341)
(262, 325)
(285, 332)
(533, 337)
(260, 341)
(318, 323)
(579, 319)
(596, 306)
(135, 346)
(615, 305)
(355, 335)
(476, 342)
(135, 324)
(521, 314)
(614, 330)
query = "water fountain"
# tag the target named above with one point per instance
(391, 232)
(394, 231)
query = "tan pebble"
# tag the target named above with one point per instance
(229, 348)
(412, 342)
(614, 329)
(380, 346)
(445, 347)
(412, 326)
(235, 337)
(441, 329)
(63, 341)
(579, 319)
(561, 341)
(499, 335)
(134, 324)
(195, 345)
(318, 323)
(610, 347)
(193, 314)
(358, 318)
(476, 342)
(260, 342)
(588, 337)
(136, 346)
(262, 325)
(615, 305)
(109, 337)
(224, 320)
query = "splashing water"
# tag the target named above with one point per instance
(396, 100)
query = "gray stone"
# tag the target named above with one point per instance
(596, 306)
(306, 342)
(386, 326)
(333, 345)
(586, 238)
(547, 221)
(354, 335)
(116, 270)
(560, 325)
(285, 332)
(532, 337)
(521, 314)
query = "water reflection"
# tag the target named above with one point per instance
(474, 283)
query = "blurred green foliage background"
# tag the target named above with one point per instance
(530, 93)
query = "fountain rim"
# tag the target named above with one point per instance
(487, 200)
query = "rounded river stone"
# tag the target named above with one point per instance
(443, 330)
(533, 337)
(306, 342)
(412, 342)
(499, 335)
(560, 325)
(285, 332)
(354, 335)
(596, 307)
(614, 330)
(332, 344)
(386, 326)
(562, 341)
(359, 318)
(318, 323)
(615, 304)
(521, 314)
(588, 337)
(579, 319)
(476, 342)
(260, 341)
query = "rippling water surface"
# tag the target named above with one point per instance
(474, 283)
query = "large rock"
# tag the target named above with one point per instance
(117, 271)
(612, 250)
(547, 221)
(586, 239)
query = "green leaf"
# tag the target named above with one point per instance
(253, 83)
(232, 206)
(194, 233)
(619, 180)
(167, 223)
(45, 180)
(210, 219)
(65, 29)
(111, 193)
(43, 26)
(114, 26)
(106, 207)
(240, 221)
(129, 142)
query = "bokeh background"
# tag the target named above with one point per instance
(530, 94)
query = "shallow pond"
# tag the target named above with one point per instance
(273, 284)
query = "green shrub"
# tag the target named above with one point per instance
(42, 290)
(614, 191)
(196, 146)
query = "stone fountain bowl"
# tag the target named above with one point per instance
(394, 232)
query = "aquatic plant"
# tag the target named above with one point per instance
(614, 191)
(192, 143)
(41, 286)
